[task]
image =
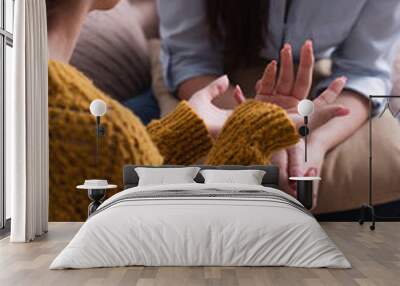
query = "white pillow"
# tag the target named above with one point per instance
(248, 177)
(166, 176)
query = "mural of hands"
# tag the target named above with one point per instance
(286, 90)
(201, 102)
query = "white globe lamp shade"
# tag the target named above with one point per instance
(98, 107)
(305, 107)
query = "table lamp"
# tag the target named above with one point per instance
(305, 108)
(98, 108)
(305, 184)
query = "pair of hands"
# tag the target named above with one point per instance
(285, 89)
(287, 92)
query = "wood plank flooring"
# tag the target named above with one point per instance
(375, 257)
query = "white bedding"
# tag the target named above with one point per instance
(183, 231)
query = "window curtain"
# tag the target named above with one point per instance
(27, 124)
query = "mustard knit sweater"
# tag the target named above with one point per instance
(250, 135)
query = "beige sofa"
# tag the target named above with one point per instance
(114, 51)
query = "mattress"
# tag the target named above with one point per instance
(201, 225)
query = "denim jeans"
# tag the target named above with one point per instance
(144, 105)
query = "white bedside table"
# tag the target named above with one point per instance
(305, 190)
(96, 192)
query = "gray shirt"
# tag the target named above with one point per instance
(360, 36)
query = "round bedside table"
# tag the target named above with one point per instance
(96, 192)
(305, 190)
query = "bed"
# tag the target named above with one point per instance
(201, 224)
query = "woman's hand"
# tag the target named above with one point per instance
(287, 90)
(324, 107)
(315, 160)
(201, 102)
(291, 163)
(291, 160)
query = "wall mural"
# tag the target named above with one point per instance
(167, 83)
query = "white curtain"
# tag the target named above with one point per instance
(27, 124)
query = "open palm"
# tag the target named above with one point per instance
(288, 89)
(201, 102)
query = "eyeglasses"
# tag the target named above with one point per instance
(393, 104)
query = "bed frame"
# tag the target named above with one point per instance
(271, 177)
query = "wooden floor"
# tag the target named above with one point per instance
(375, 257)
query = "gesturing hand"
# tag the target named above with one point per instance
(288, 90)
(201, 102)
(291, 161)
(324, 107)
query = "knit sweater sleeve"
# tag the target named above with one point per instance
(181, 137)
(252, 133)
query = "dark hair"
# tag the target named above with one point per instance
(51, 6)
(241, 26)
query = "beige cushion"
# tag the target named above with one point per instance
(345, 174)
(112, 50)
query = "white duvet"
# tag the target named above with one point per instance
(190, 231)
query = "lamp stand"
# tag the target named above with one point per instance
(100, 132)
(304, 131)
(369, 206)
(305, 138)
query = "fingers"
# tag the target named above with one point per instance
(280, 159)
(217, 87)
(258, 85)
(267, 84)
(296, 160)
(325, 110)
(324, 114)
(238, 95)
(332, 92)
(295, 163)
(286, 72)
(303, 82)
(341, 111)
(312, 172)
